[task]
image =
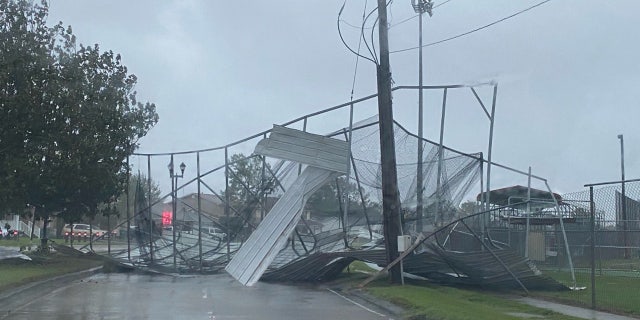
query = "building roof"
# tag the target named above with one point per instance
(515, 196)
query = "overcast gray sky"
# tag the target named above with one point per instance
(568, 73)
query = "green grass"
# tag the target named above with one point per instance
(20, 242)
(618, 264)
(359, 266)
(16, 272)
(428, 301)
(446, 303)
(613, 293)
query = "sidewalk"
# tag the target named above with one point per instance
(577, 312)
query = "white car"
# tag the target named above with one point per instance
(214, 232)
(82, 230)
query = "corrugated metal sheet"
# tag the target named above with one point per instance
(326, 158)
(253, 258)
(306, 148)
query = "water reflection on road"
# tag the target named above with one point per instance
(136, 296)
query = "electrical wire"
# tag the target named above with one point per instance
(474, 30)
(395, 24)
(445, 2)
(403, 21)
(371, 51)
(415, 16)
(355, 71)
(351, 25)
(344, 42)
(373, 29)
(373, 41)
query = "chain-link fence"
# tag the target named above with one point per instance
(190, 211)
(604, 246)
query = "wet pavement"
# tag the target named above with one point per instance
(219, 297)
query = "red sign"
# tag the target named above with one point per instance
(166, 218)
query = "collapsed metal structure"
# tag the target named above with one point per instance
(206, 229)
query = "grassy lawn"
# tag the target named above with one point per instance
(20, 242)
(618, 264)
(427, 301)
(16, 272)
(613, 292)
(439, 302)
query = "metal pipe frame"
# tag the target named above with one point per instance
(564, 234)
(439, 218)
(150, 206)
(419, 178)
(128, 211)
(362, 199)
(340, 106)
(199, 212)
(592, 209)
(351, 105)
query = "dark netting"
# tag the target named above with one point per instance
(339, 217)
(458, 173)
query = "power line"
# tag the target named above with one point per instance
(345, 43)
(355, 71)
(415, 16)
(474, 30)
(393, 25)
(373, 28)
(351, 25)
(440, 4)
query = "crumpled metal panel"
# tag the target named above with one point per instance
(306, 148)
(326, 158)
(257, 253)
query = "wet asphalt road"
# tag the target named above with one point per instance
(219, 297)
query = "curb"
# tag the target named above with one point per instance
(15, 298)
(62, 278)
(390, 309)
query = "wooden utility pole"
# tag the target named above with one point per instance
(390, 195)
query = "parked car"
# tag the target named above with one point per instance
(168, 230)
(82, 231)
(214, 232)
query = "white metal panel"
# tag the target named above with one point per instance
(307, 148)
(257, 253)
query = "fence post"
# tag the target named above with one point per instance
(149, 184)
(199, 212)
(128, 211)
(227, 199)
(593, 248)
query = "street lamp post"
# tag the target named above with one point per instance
(174, 186)
(623, 204)
(420, 7)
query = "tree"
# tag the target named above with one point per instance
(469, 207)
(70, 117)
(246, 181)
(247, 187)
(325, 202)
(113, 213)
